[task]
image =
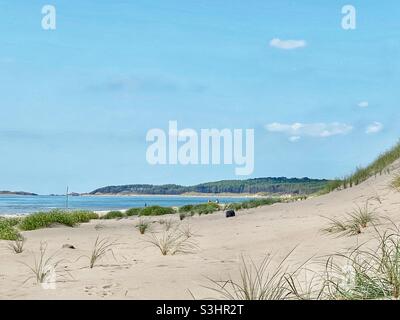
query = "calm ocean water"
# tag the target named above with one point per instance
(27, 204)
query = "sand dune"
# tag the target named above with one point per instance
(138, 270)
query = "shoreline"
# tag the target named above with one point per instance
(199, 195)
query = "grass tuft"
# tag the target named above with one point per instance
(17, 246)
(143, 225)
(335, 226)
(43, 265)
(173, 242)
(370, 272)
(113, 215)
(364, 215)
(100, 249)
(255, 282)
(359, 218)
(379, 166)
(168, 223)
(396, 183)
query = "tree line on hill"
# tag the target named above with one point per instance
(281, 185)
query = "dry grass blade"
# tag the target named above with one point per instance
(143, 225)
(168, 223)
(363, 215)
(187, 231)
(395, 184)
(369, 273)
(100, 249)
(359, 218)
(256, 282)
(305, 290)
(353, 229)
(17, 246)
(173, 242)
(335, 226)
(43, 265)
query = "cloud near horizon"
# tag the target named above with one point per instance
(287, 44)
(374, 128)
(316, 130)
(363, 104)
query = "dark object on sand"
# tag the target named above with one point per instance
(68, 246)
(230, 213)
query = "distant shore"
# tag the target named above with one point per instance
(189, 195)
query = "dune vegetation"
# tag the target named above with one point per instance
(8, 230)
(10, 227)
(361, 273)
(360, 218)
(379, 166)
(396, 183)
(203, 208)
(46, 219)
(114, 215)
(253, 203)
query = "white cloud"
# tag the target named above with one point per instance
(363, 104)
(374, 128)
(297, 130)
(287, 44)
(294, 138)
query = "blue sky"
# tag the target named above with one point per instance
(76, 102)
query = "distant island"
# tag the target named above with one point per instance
(280, 185)
(17, 193)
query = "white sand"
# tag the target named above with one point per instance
(139, 271)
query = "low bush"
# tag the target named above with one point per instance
(252, 203)
(203, 208)
(8, 230)
(133, 212)
(156, 211)
(113, 215)
(46, 219)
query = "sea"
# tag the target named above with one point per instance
(18, 205)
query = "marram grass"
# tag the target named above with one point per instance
(379, 166)
(41, 220)
(360, 218)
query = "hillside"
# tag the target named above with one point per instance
(279, 185)
(17, 193)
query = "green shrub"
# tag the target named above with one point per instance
(11, 222)
(133, 212)
(252, 203)
(7, 229)
(234, 206)
(156, 211)
(82, 216)
(45, 219)
(206, 208)
(113, 215)
(203, 208)
(186, 208)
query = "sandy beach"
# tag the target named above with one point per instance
(137, 270)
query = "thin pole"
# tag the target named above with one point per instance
(66, 202)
